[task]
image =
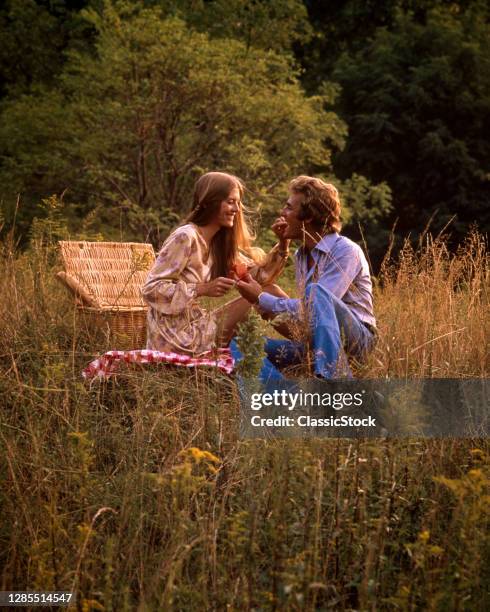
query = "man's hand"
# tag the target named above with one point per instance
(215, 288)
(265, 314)
(249, 288)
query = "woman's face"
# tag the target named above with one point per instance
(229, 209)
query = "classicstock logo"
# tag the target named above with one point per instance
(365, 408)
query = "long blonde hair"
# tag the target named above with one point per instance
(210, 190)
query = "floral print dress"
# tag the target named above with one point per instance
(176, 321)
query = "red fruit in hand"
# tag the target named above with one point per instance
(239, 269)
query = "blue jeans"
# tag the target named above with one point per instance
(334, 333)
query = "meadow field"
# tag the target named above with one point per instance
(137, 494)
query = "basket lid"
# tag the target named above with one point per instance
(112, 272)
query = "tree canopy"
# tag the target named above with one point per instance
(417, 102)
(131, 124)
(121, 104)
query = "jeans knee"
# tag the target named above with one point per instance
(318, 299)
(315, 289)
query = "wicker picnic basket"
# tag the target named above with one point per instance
(106, 280)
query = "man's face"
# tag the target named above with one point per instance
(290, 211)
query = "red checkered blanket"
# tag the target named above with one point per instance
(108, 363)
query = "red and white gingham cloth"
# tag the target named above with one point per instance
(109, 362)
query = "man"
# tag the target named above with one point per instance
(332, 275)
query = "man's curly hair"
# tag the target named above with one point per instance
(321, 203)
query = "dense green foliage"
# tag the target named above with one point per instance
(130, 124)
(123, 104)
(417, 102)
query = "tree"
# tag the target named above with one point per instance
(34, 36)
(347, 26)
(159, 103)
(150, 104)
(268, 24)
(417, 102)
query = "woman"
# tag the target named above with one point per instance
(197, 259)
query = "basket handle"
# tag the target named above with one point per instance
(76, 288)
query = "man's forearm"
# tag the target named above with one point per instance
(277, 305)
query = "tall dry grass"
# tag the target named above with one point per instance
(433, 312)
(138, 495)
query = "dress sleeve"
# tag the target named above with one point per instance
(270, 268)
(164, 290)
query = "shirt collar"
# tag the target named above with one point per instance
(325, 245)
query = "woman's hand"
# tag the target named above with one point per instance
(238, 271)
(215, 288)
(279, 228)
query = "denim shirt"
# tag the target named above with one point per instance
(340, 266)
